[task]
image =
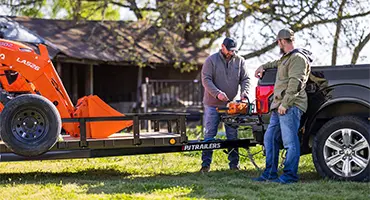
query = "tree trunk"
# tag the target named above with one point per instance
(76, 9)
(337, 33)
(227, 15)
(358, 48)
(135, 9)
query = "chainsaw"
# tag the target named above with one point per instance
(236, 113)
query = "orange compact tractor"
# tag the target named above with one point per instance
(33, 101)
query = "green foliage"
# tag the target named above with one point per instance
(88, 10)
(194, 133)
(33, 10)
(68, 9)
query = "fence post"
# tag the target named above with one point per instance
(145, 95)
(201, 106)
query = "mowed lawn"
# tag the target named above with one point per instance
(163, 176)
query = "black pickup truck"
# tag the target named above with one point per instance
(335, 128)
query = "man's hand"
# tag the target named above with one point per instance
(259, 72)
(222, 96)
(243, 96)
(282, 110)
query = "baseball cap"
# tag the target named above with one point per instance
(285, 33)
(230, 44)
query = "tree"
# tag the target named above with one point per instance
(25, 7)
(254, 23)
(74, 9)
(308, 17)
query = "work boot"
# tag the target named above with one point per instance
(205, 169)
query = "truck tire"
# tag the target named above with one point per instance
(341, 149)
(30, 125)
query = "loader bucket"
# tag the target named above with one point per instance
(93, 106)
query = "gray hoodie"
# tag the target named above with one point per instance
(221, 76)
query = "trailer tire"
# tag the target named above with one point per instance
(341, 149)
(30, 125)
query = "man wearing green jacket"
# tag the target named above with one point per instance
(289, 103)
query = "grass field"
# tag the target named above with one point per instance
(162, 176)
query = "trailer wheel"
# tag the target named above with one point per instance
(30, 125)
(341, 149)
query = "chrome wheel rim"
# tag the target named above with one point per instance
(346, 152)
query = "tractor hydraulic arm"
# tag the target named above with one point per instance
(38, 72)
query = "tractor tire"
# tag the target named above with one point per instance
(30, 125)
(341, 149)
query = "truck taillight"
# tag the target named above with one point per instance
(262, 98)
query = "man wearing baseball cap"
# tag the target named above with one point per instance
(288, 105)
(222, 74)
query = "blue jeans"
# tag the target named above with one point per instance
(283, 128)
(212, 120)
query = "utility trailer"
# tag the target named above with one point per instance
(173, 139)
(35, 109)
